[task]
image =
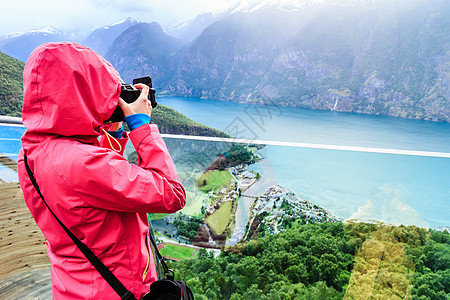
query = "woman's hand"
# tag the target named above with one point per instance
(141, 106)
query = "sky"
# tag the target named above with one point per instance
(26, 15)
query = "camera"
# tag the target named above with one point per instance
(130, 94)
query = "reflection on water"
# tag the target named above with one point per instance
(389, 205)
(343, 181)
(315, 126)
(398, 189)
(393, 188)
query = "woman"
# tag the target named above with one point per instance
(69, 91)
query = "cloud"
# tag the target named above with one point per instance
(123, 5)
(24, 15)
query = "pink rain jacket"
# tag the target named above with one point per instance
(68, 91)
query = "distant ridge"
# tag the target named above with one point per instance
(144, 49)
(21, 45)
(102, 38)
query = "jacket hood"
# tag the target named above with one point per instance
(69, 90)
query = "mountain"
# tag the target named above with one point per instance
(363, 56)
(391, 60)
(249, 6)
(11, 91)
(20, 45)
(191, 29)
(102, 38)
(229, 59)
(144, 49)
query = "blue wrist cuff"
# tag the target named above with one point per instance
(117, 134)
(137, 120)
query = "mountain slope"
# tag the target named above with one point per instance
(229, 59)
(191, 29)
(144, 49)
(11, 91)
(20, 46)
(102, 38)
(364, 56)
(390, 59)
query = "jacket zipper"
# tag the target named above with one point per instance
(148, 260)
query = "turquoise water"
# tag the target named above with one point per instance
(398, 189)
(314, 126)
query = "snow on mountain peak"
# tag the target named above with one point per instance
(129, 20)
(44, 30)
(247, 6)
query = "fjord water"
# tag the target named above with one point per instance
(393, 188)
(275, 123)
(398, 189)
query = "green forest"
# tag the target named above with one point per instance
(11, 92)
(326, 261)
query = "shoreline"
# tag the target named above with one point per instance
(281, 104)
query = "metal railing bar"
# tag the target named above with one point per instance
(311, 146)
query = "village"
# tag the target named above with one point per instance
(278, 204)
(275, 204)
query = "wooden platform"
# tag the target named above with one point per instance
(24, 264)
(34, 284)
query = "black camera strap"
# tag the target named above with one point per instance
(112, 280)
(167, 272)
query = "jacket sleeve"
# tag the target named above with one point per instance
(109, 182)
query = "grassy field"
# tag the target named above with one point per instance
(157, 216)
(195, 198)
(218, 221)
(213, 180)
(178, 252)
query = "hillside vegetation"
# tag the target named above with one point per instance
(326, 261)
(11, 91)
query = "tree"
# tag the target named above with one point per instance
(315, 261)
(297, 273)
